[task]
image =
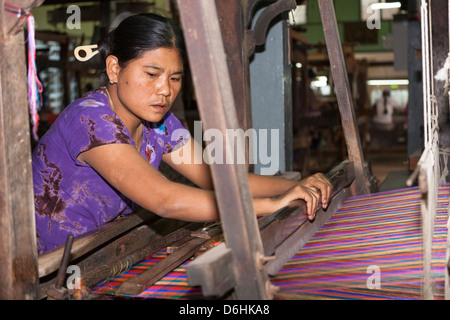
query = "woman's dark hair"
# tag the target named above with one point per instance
(139, 33)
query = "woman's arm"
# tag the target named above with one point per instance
(269, 193)
(188, 161)
(270, 186)
(316, 190)
(126, 170)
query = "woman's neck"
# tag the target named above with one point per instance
(133, 123)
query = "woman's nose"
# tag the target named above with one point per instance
(164, 87)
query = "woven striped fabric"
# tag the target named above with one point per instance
(173, 286)
(370, 249)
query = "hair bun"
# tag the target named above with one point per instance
(105, 45)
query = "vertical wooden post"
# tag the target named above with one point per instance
(232, 22)
(18, 253)
(233, 19)
(217, 110)
(343, 94)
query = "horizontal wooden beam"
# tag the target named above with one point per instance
(185, 250)
(50, 261)
(291, 229)
(297, 239)
(283, 233)
(109, 258)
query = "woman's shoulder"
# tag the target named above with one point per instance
(91, 100)
(94, 102)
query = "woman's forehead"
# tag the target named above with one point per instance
(164, 58)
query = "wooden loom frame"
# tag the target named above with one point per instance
(240, 261)
(427, 171)
(243, 238)
(231, 188)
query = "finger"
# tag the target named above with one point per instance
(312, 203)
(326, 194)
(308, 201)
(325, 189)
(318, 193)
(318, 180)
(310, 195)
(310, 211)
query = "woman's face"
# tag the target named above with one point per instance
(148, 86)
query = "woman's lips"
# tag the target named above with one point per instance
(159, 107)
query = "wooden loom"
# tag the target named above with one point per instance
(116, 243)
(428, 170)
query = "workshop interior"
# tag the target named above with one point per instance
(309, 76)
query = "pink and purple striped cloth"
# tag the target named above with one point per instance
(370, 249)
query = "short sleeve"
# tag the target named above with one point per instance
(90, 122)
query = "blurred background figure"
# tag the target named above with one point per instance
(384, 110)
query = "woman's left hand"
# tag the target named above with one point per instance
(321, 185)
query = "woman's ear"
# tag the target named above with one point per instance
(112, 68)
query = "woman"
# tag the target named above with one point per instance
(100, 158)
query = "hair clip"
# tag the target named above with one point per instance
(88, 53)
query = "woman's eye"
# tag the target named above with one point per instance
(151, 74)
(176, 79)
